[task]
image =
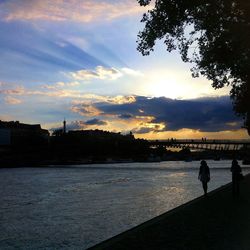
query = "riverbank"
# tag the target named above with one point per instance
(33, 161)
(219, 221)
(44, 157)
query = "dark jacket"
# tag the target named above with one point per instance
(236, 170)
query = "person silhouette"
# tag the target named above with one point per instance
(204, 175)
(236, 177)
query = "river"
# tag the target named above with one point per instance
(75, 207)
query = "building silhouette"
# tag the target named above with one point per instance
(14, 133)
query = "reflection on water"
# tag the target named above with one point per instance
(74, 207)
(113, 181)
(174, 175)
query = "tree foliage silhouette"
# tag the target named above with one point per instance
(213, 35)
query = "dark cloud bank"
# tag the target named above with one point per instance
(95, 121)
(75, 125)
(205, 114)
(211, 114)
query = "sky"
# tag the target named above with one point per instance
(77, 59)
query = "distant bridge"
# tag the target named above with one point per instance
(204, 144)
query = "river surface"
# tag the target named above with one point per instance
(75, 207)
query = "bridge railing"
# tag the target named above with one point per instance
(201, 141)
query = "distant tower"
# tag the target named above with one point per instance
(64, 126)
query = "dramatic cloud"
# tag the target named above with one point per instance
(89, 107)
(92, 98)
(125, 116)
(164, 114)
(86, 110)
(63, 90)
(161, 118)
(73, 125)
(149, 127)
(80, 125)
(121, 99)
(71, 10)
(99, 73)
(140, 114)
(96, 121)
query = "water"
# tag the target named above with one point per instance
(75, 207)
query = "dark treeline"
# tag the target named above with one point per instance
(98, 145)
(81, 146)
(29, 145)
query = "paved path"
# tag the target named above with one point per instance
(219, 221)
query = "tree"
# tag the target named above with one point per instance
(213, 35)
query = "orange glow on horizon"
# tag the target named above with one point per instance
(195, 134)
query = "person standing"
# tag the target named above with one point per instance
(204, 175)
(236, 177)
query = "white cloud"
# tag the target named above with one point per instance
(59, 85)
(58, 90)
(11, 100)
(92, 98)
(120, 99)
(18, 90)
(100, 72)
(132, 72)
(86, 110)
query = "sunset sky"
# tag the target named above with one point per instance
(77, 59)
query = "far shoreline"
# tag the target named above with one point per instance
(65, 163)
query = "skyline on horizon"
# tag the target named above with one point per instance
(77, 60)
